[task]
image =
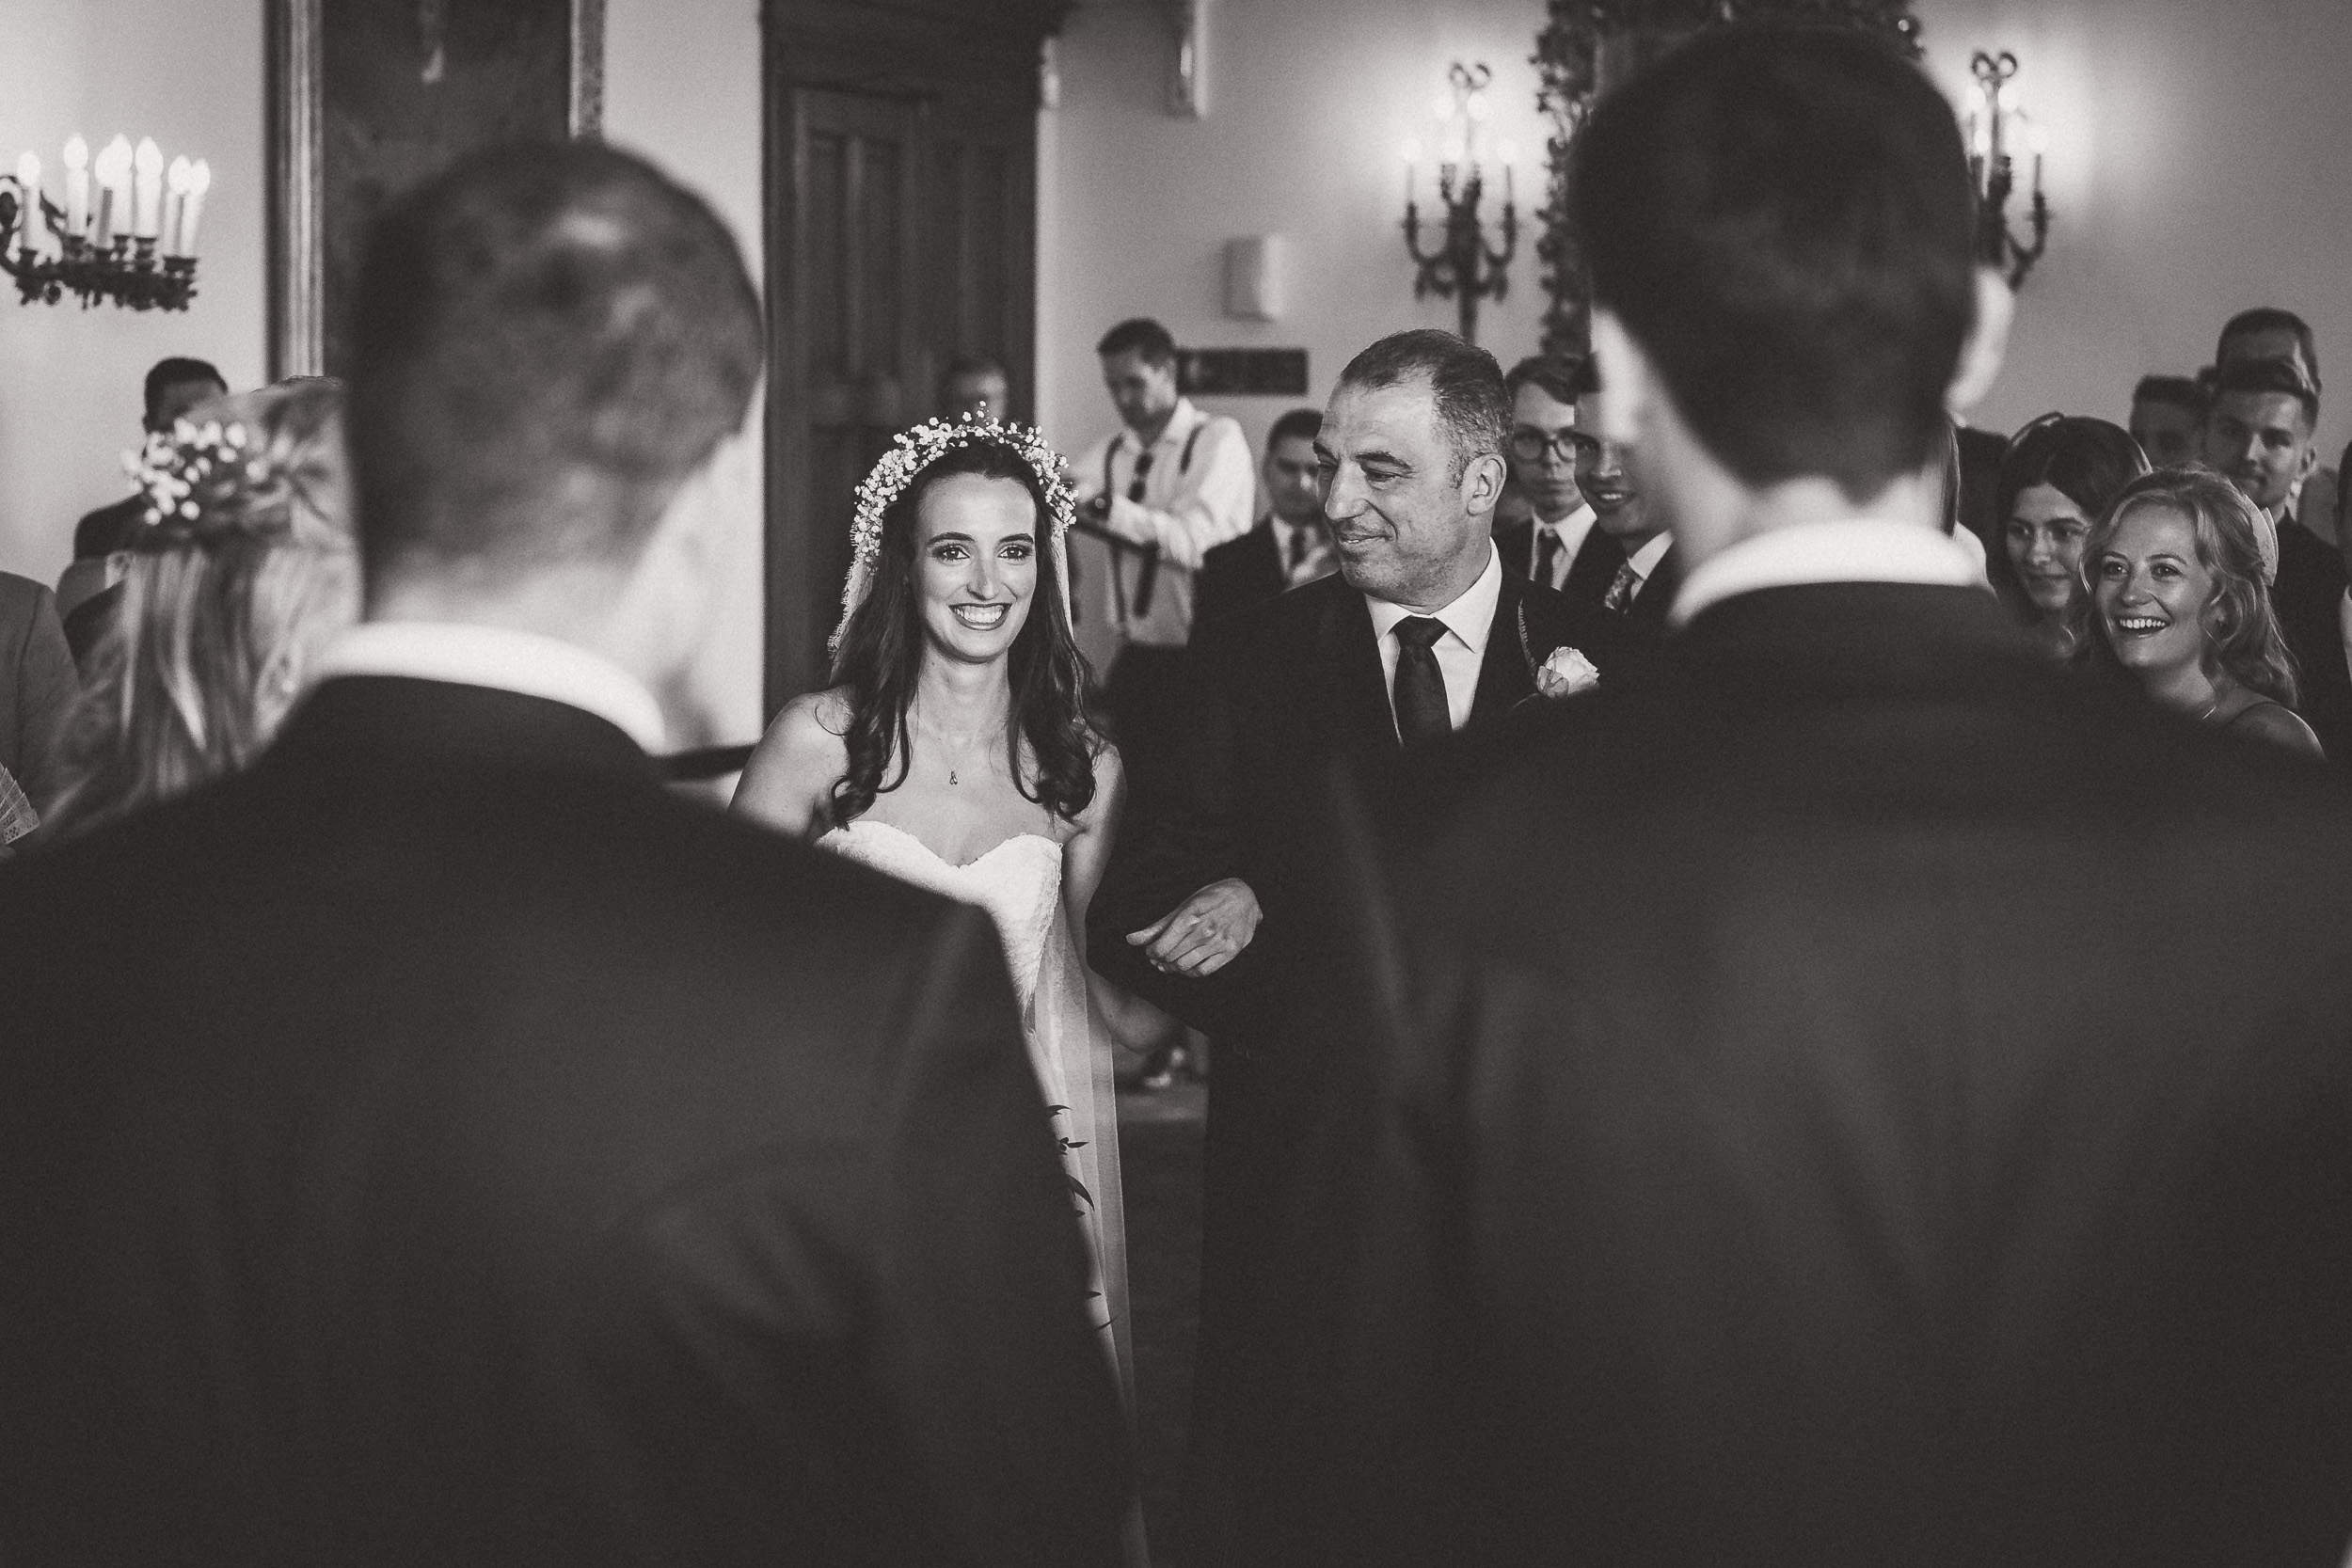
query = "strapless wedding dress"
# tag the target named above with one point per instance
(1019, 883)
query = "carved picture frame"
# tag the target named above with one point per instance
(299, 249)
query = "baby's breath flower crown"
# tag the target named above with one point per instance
(916, 449)
(189, 472)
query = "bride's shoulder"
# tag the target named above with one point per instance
(793, 769)
(1110, 783)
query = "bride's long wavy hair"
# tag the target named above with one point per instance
(883, 646)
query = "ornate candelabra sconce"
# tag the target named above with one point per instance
(1997, 126)
(1464, 266)
(135, 246)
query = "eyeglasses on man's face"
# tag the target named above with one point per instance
(1528, 444)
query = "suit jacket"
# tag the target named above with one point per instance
(1236, 575)
(101, 532)
(1814, 1111)
(1589, 575)
(1645, 617)
(2307, 597)
(462, 1151)
(37, 688)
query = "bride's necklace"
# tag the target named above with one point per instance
(956, 750)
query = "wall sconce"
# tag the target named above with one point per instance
(1998, 126)
(1463, 266)
(135, 246)
(1188, 70)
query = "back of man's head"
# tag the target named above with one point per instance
(1782, 219)
(550, 341)
(2174, 391)
(1464, 382)
(2267, 332)
(194, 380)
(1299, 425)
(1139, 335)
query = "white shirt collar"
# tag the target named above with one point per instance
(501, 659)
(1179, 427)
(1845, 549)
(1644, 561)
(1469, 617)
(1573, 526)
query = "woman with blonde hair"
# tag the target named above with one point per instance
(2176, 600)
(242, 568)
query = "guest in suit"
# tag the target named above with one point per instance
(244, 572)
(464, 1151)
(1866, 1098)
(2169, 418)
(173, 387)
(1291, 546)
(1214, 907)
(2057, 479)
(1649, 571)
(2258, 433)
(1557, 543)
(2267, 332)
(38, 690)
(2177, 602)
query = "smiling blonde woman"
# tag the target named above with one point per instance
(2176, 601)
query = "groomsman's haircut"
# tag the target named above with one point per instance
(1141, 334)
(1551, 372)
(2176, 391)
(2265, 319)
(177, 371)
(549, 340)
(1782, 218)
(1299, 425)
(1465, 383)
(2268, 376)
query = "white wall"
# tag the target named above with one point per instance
(2200, 161)
(188, 73)
(1309, 101)
(682, 87)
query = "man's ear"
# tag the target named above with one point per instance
(1629, 381)
(1986, 347)
(1482, 483)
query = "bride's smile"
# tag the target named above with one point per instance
(976, 564)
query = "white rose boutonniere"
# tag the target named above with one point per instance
(1565, 673)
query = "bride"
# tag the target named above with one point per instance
(954, 751)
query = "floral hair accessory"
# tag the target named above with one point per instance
(916, 449)
(186, 471)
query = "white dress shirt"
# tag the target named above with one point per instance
(1318, 560)
(1469, 621)
(501, 659)
(1644, 561)
(1572, 531)
(1845, 549)
(1201, 490)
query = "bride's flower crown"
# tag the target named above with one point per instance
(917, 449)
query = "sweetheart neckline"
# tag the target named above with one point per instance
(952, 866)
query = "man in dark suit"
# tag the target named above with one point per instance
(1213, 909)
(462, 1151)
(1866, 1098)
(173, 387)
(1558, 543)
(1289, 546)
(1649, 571)
(2258, 430)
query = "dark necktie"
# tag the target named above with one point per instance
(1547, 555)
(1298, 552)
(1420, 692)
(1626, 583)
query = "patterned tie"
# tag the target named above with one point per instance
(1421, 714)
(1547, 555)
(1622, 588)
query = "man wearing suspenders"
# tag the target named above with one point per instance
(1171, 484)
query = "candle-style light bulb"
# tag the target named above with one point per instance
(147, 209)
(113, 168)
(200, 180)
(76, 186)
(176, 184)
(28, 186)
(1410, 151)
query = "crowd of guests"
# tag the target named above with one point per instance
(1636, 834)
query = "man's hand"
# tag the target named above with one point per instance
(1202, 934)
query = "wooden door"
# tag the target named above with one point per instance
(901, 235)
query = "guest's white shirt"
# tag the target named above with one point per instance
(1847, 550)
(1644, 561)
(1469, 620)
(1199, 492)
(1318, 560)
(1572, 531)
(501, 659)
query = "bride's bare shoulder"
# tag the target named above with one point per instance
(792, 770)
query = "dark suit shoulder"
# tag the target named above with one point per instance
(108, 527)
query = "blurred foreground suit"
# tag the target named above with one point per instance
(464, 1153)
(1864, 1099)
